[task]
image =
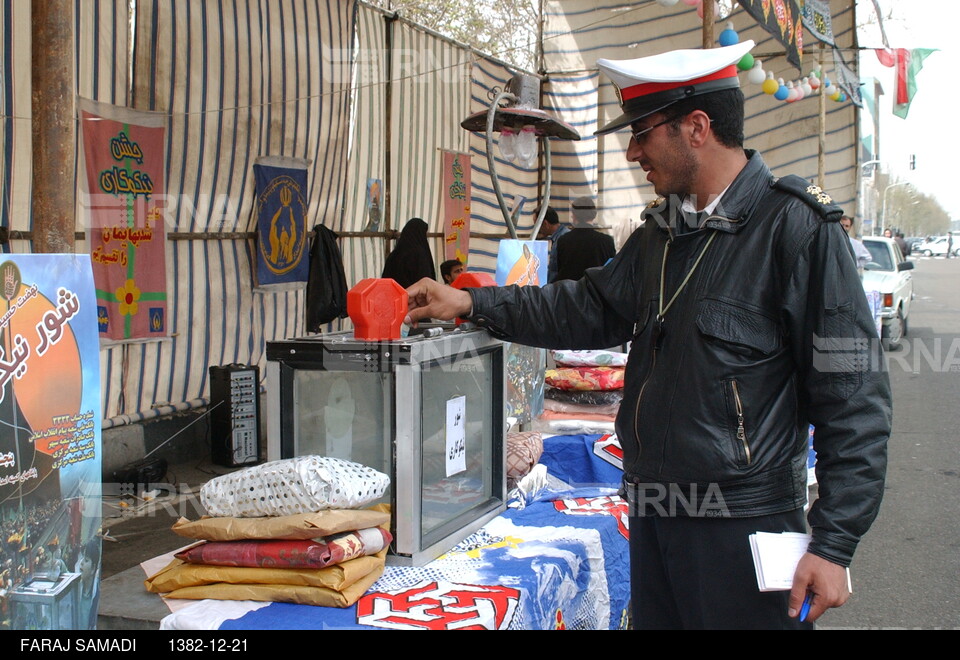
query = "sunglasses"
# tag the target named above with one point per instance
(640, 134)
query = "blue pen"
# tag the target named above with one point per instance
(805, 609)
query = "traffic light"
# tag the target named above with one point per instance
(913, 161)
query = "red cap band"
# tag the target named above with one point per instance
(645, 89)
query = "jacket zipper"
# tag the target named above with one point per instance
(741, 431)
(636, 412)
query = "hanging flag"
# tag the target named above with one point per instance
(782, 19)
(455, 193)
(281, 222)
(907, 80)
(847, 79)
(817, 20)
(906, 64)
(124, 184)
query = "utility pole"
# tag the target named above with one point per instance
(708, 22)
(54, 126)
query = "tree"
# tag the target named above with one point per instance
(505, 29)
(909, 210)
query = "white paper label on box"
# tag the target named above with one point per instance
(456, 436)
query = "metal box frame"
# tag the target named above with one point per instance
(408, 361)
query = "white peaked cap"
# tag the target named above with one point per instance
(649, 84)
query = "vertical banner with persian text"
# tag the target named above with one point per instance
(49, 443)
(455, 195)
(124, 153)
(281, 213)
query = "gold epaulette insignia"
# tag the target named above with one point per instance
(820, 196)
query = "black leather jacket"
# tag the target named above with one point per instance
(771, 333)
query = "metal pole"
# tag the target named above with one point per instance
(546, 189)
(389, 21)
(708, 21)
(491, 164)
(877, 93)
(821, 161)
(54, 126)
(885, 191)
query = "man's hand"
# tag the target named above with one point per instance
(825, 581)
(430, 299)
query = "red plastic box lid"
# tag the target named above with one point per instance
(377, 308)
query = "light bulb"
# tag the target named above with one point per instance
(728, 37)
(526, 146)
(508, 144)
(757, 75)
(791, 92)
(770, 86)
(782, 91)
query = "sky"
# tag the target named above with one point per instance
(929, 130)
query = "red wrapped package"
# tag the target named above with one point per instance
(318, 553)
(597, 379)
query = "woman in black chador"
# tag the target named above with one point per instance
(411, 260)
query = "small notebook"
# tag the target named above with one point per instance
(775, 556)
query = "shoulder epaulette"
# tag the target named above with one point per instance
(657, 203)
(811, 194)
(657, 208)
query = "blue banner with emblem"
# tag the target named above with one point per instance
(281, 211)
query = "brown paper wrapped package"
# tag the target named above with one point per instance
(301, 526)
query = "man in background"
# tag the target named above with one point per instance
(450, 270)
(552, 230)
(583, 246)
(860, 251)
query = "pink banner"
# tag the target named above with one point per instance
(124, 158)
(455, 195)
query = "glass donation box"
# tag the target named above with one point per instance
(427, 410)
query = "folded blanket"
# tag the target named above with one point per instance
(579, 409)
(585, 378)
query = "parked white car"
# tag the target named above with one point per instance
(938, 247)
(889, 273)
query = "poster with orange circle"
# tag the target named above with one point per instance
(50, 421)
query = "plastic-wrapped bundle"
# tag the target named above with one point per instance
(580, 408)
(589, 358)
(585, 378)
(292, 486)
(585, 397)
(318, 553)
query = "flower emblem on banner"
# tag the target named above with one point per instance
(129, 296)
(561, 624)
(440, 606)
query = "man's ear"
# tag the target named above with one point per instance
(699, 123)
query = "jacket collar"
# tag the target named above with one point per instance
(736, 206)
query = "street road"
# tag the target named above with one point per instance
(906, 573)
